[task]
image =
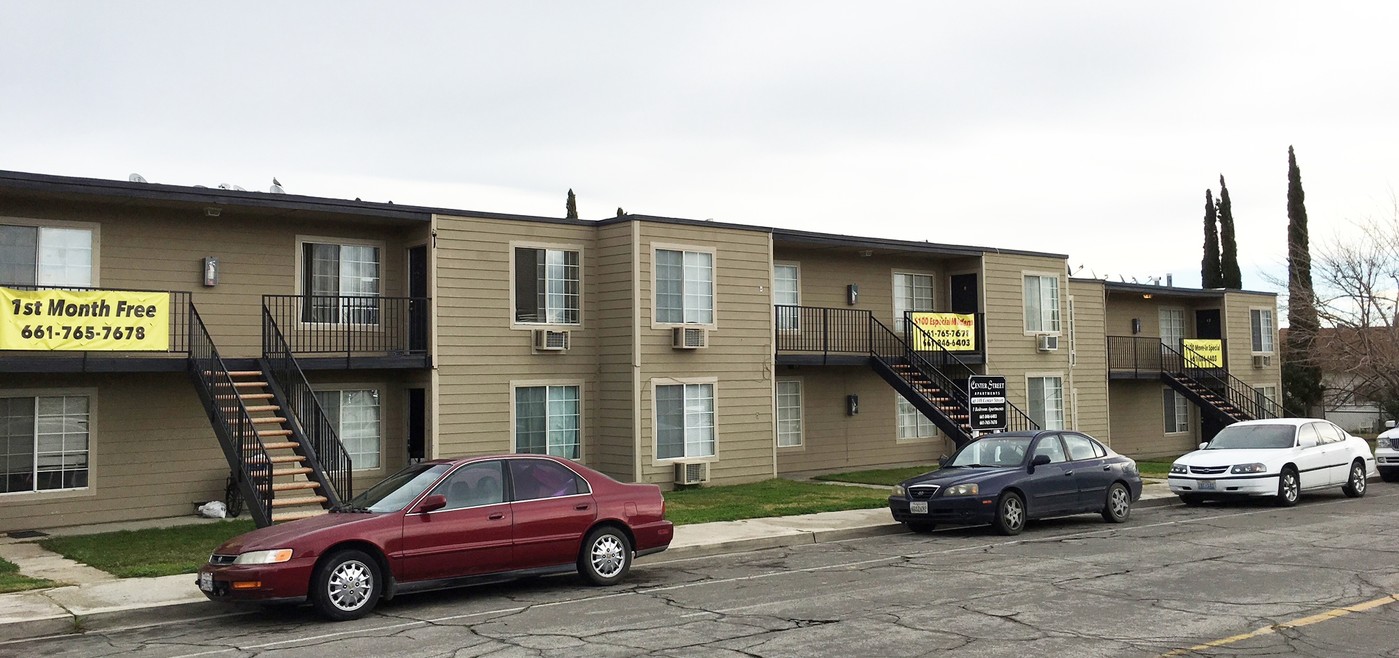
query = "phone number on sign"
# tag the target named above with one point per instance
(65, 332)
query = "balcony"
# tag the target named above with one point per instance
(169, 357)
(810, 335)
(1145, 357)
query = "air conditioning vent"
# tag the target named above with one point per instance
(689, 338)
(549, 340)
(1047, 343)
(691, 472)
(1262, 361)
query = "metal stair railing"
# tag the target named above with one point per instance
(1232, 389)
(945, 360)
(234, 427)
(889, 349)
(327, 457)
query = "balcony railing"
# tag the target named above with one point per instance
(334, 324)
(819, 330)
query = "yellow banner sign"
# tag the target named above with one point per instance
(956, 332)
(84, 320)
(1203, 353)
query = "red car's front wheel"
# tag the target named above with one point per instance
(346, 586)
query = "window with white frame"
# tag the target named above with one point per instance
(1172, 327)
(355, 414)
(45, 256)
(684, 421)
(547, 420)
(44, 440)
(684, 287)
(547, 284)
(340, 283)
(1041, 303)
(912, 423)
(1265, 397)
(786, 291)
(913, 293)
(789, 413)
(1046, 398)
(1261, 323)
(1177, 411)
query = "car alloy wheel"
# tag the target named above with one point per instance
(1355, 485)
(1119, 504)
(1288, 487)
(606, 556)
(1010, 514)
(347, 585)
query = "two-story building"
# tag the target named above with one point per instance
(303, 348)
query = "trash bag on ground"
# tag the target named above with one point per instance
(214, 509)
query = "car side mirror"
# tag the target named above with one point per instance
(432, 503)
(1204, 445)
(1039, 460)
(1389, 424)
(942, 461)
(1307, 442)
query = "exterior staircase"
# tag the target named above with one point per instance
(295, 489)
(1209, 402)
(1217, 393)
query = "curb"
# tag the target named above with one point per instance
(791, 538)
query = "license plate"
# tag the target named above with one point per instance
(918, 507)
(1206, 485)
(206, 582)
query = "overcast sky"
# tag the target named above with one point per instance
(1091, 129)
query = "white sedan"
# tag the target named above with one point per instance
(1279, 457)
(1387, 453)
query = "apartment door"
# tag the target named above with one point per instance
(418, 305)
(417, 425)
(964, 298)
(1207, 324)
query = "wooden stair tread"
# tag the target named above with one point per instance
(293, 486)
(274, 445)
(273, 432)
(270, 419)
(283, 472)
(286, 459)
(262, 407)
(249, 384)
(293, 516)
(291, 502)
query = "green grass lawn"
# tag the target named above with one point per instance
(767, 498)
(149, 552)
(885, 476)
(12, 581)
(1156, 469)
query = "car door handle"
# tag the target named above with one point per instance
(497, 516)
(582, 507)
(1068, 472)
(1107, 467)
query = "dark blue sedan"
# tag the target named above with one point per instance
(1006, 479)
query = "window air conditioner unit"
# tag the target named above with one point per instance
(1047, 343)
(550, 340)
(1262, 361)
(689, 338)
(691, 472)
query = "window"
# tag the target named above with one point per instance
(43, 443)
(1081, 447)
(1328, 433)
(1172, 328)
(340, 283)
(1263, 397)
(684, 421)
(1177, 411)
(786, 291)
(1050, 445)
(1046, 396)
(355, 416)
(45, 256)
(1041, 304)
(789, 413)
(1261, 321)
(912, 423)
(913, 293)
(546, 286)
(532, 479)
(684, 287)
(547, 421)
(473, 485)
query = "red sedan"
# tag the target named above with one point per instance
(443, 524)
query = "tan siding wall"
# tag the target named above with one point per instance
(1238, 330)
(834, 440)
(824, 277)
(1011, 351)
(1138, 422)
(1088, 385)
(153, 453)
(613, 452)
(1124, 307)
(739, 355)
(479, 354)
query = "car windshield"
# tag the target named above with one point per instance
(399, 489)
(1253, 436)
(995, 451)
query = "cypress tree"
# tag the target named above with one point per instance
(1301, 380)
(1210, 274)
(571, 206)
(1228, 250)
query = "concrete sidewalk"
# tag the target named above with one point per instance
(97, 600)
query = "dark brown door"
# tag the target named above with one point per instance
(964, 293)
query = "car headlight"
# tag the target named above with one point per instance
(273, 556)
(899, 490)
(1179, 468)
(970, 489)
(1248, 468)
(1381, 443)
